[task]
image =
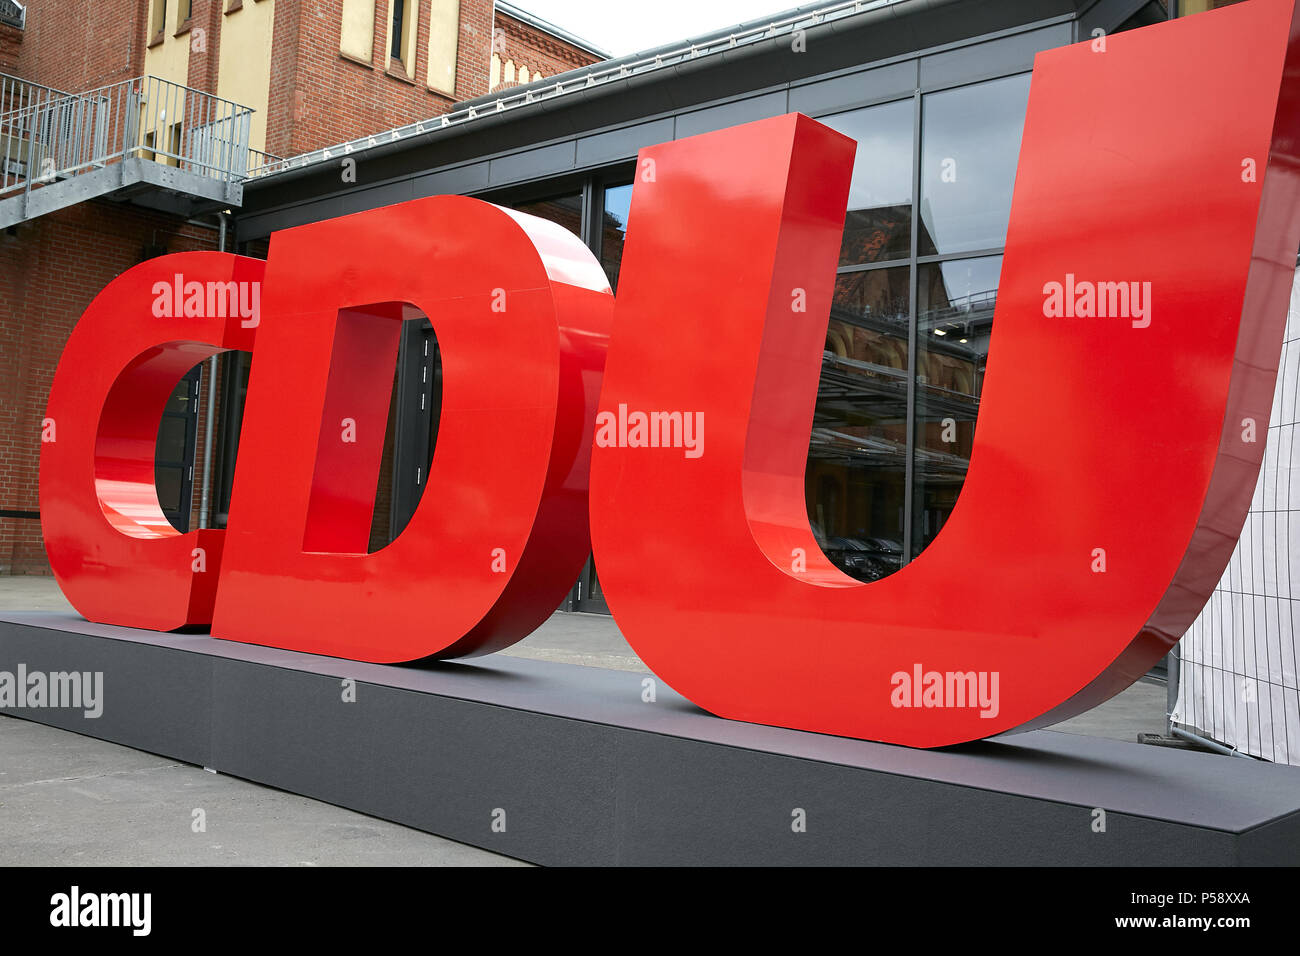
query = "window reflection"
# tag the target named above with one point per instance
(857, 457)
(618, 200)
(878, 226)
(562, 210)
(856, 484)
(955, 302)
(970, 142)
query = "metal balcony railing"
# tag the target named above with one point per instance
(16, 98)
(960, 309)
(261, 163)
(48, 136)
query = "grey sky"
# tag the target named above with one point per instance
(626, 26)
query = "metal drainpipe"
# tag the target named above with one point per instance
(212, 402)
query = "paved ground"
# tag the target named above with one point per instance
(68, 800)
(72, 800)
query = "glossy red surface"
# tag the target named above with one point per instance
(522, 313)
(1092, 433)
(116, 558)
(1095, 436)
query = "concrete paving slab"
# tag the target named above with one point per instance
(69, 800)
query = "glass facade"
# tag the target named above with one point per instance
(563, 210)
(954, 319)
(906, 341)
(911, 316)
(613, 229)
(970, 141)
(856, 481)
(910, 322)
(878, 225)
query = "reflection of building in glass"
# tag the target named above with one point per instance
(564, 210)
(859, 450)
(613, 227)
(857, 456)
(912, 315)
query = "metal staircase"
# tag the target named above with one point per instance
(146, 141)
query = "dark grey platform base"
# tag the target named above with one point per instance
(581, 770)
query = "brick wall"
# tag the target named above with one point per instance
(50, 269)
(320, 97)
(11, 49)
(537, 51)
(204, 30)
(77, 45)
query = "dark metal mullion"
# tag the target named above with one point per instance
(592, 216)
(912, 320)
(592, 208)
(871, 266)
(956, 256)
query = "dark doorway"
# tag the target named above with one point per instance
(419, 404)
(173, 466)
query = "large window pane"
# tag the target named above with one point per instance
(855, 481)
(970, 141)
(563, 210)
(169, 481)
(172, 432)
(954, 321)
(879, 222)
(618, 200)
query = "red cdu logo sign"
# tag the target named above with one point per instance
(1138, 327)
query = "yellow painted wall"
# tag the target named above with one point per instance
(1188, 7)
(244, 70)
(169, 60)
(444, 32)
(358, 34)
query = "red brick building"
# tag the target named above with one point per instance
(269, 78)
(526, 49)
